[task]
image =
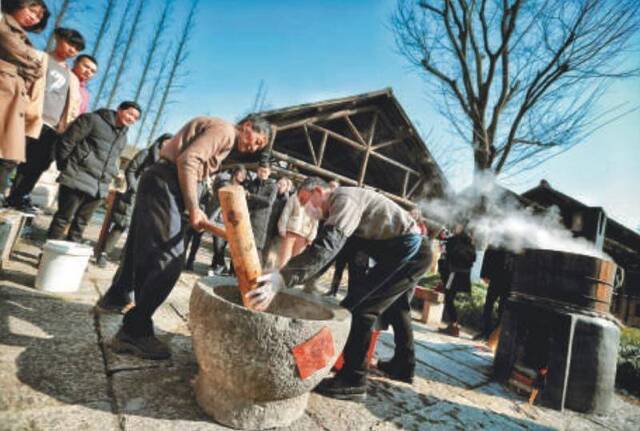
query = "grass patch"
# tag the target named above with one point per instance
(628, 375)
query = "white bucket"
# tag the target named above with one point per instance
(62, 266)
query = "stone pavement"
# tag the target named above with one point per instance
(56, 373)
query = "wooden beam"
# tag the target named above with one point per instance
(354, 130)
(274, 132)
(312, 168)
(332, 175)
(395, 163)
(405, 185)
(414, 188)
(339, 137)
(365, 161)
(310, 145)
(357, 146)
(389, 143)
(326, 117)
(323, 145)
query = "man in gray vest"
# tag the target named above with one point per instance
(383, 230)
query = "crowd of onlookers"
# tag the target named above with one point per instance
(44, 117)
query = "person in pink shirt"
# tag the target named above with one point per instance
(85, 67)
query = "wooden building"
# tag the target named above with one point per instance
(365, 140)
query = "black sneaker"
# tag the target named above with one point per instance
(340, 389)
(395, 372)
(104, 306)
(142, 347)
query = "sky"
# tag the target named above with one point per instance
(307, 51)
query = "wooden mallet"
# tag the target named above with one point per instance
(238, 233)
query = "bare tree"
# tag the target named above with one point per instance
(152, 98)
(104, 24)
(179, 60)
(117, 43)
(261, 97)
(518, 79)
(125, 54)
(153, 47)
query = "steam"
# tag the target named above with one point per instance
(496, 218)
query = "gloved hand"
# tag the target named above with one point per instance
(270, 284)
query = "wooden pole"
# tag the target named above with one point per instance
(99, 247)
(242, 246)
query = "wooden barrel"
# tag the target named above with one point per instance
(574, 279)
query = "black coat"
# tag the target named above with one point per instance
(497, 267)
(276, 212)
(123, 204)
(460, 255)
(262, 194)
(88, 152)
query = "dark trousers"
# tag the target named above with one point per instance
(154, 253)
(194, 239)
(342, 259)
(399, 317)
(450, 306)
(40, 154)
(75, 208)
(494, 293)
(219, 245)
(400, 262)
(6, 168)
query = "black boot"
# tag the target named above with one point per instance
(396, 371)
(343, 388)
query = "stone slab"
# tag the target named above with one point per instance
(95, 416)
(159, 399)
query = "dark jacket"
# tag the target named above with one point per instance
(276, 212)
(262, 194)
(497, 267)
(88, 152)
(460, 255)
(123, 204)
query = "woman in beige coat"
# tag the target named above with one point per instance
(19, 68)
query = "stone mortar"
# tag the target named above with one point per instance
(248, 377)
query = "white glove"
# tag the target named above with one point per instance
(270, 284)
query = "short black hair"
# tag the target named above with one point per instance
(160, 140)
(71, 36)
(258, 124)
(91, 58)
(311, 183)
(11, 6)
(239, 168)
(129, 104)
